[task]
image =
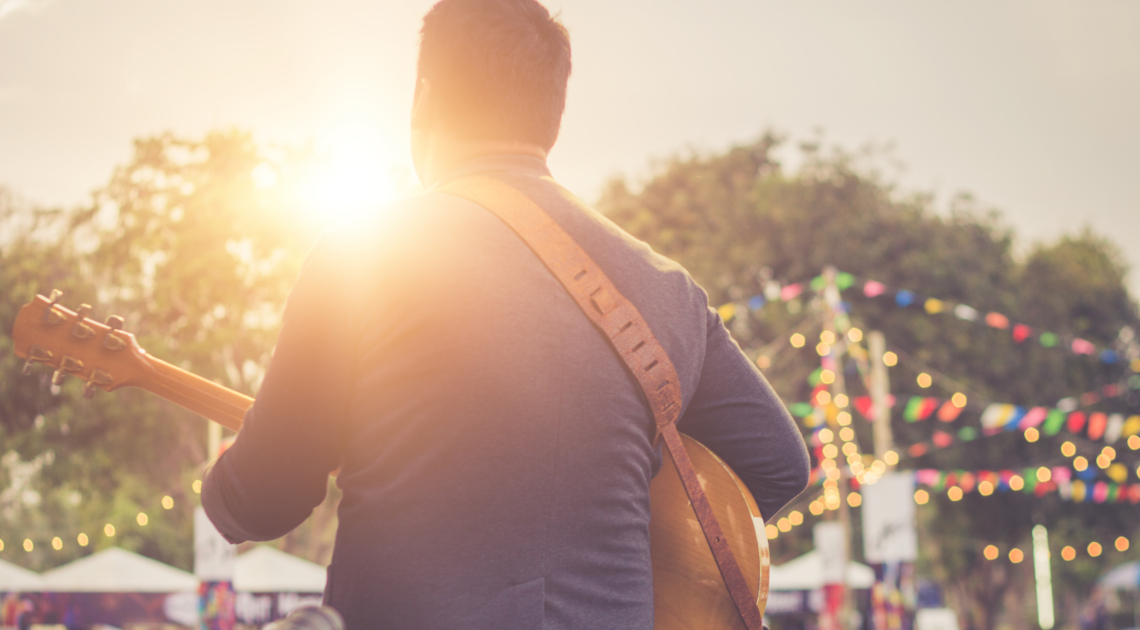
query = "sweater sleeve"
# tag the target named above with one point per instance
(736, 413)
(277, 470)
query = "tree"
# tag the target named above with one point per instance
(197, 253)
(738, 220)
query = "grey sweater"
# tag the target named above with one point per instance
(495, 456)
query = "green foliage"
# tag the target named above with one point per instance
(198, 259)
(738, 219)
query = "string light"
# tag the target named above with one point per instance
(197, 485)
(841, 400)
(1, 545)
(955, 493)
(1043, 474)
(924, 380)
(81, 539)
(797, 340)
(1016, 555)
(796, 517)
(958, 400)
(784, 525)
(890, 359)
(28, 544)
(1016, 483)
(830, 451)
(1080, 464)
(1068, 449)
(1108, 452)
(816, 508)
(921, 496)
(1103, 461)
(849, 448)
(56, 543)
(142, 519)
(823, 349)
(1095, 549)
(1122, 544)
(167, 502)
(1031, 435)
(1068, 554)
(846, 434)
(1134, 442)
(843, 418)
(891, 458)
(771, 531)
(985, 488)
(109, 530)
(855, 335)
(990, 552)
(854, 499)
(827, 337)
(827, 377)
(826, 436)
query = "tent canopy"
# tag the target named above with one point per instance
(805, 573)
(267, 570)
(117, 570)
(1123, 576)
(16, 578)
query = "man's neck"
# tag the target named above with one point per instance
(445, 157)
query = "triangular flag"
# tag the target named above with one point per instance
(1076, 421)
(997, 320)
(1080, 346)
(965, 312)
(1033, 417)
(948, 412)
(1097, 422)
(1115, 427)
(872, 288)
(1021, 332)
(1054, 421)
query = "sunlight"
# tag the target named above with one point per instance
(354, 173)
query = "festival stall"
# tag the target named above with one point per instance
(795, 588)
(270, 583)
(114, 587)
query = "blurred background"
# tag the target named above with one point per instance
(961, 178)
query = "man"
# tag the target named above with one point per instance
(495, 455)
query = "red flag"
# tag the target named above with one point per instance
(1076, 421)
(1097, 422)
(997, 320)
(949, 412)
(1021, 332)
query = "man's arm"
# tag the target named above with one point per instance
(277, 471)
(736, 414)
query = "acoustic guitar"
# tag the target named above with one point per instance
(688, 590)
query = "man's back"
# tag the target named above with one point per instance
(495, 454)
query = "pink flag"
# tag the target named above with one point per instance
(872, 288)
(1080, 346)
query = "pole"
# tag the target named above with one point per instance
(880, 394)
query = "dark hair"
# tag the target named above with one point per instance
(498, 67)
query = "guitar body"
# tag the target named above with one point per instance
(688, 590)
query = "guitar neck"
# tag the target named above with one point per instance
(206, 398)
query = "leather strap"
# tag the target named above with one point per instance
(630, 336)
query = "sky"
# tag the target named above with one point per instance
(1033, 106)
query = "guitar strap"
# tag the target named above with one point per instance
(630, 336)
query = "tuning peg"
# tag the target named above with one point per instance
(28, 367)
(54, 297)
(36, 354)
(111, 341)
(57, 377)
(81, 330)
(82, 311)
(98, 378)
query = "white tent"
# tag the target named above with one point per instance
(117, 570)
(805, 573)
(267, 570)
(1124, 577)
(14, 578)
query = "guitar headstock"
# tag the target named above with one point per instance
(102, 354)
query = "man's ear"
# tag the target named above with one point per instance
(423, 105)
